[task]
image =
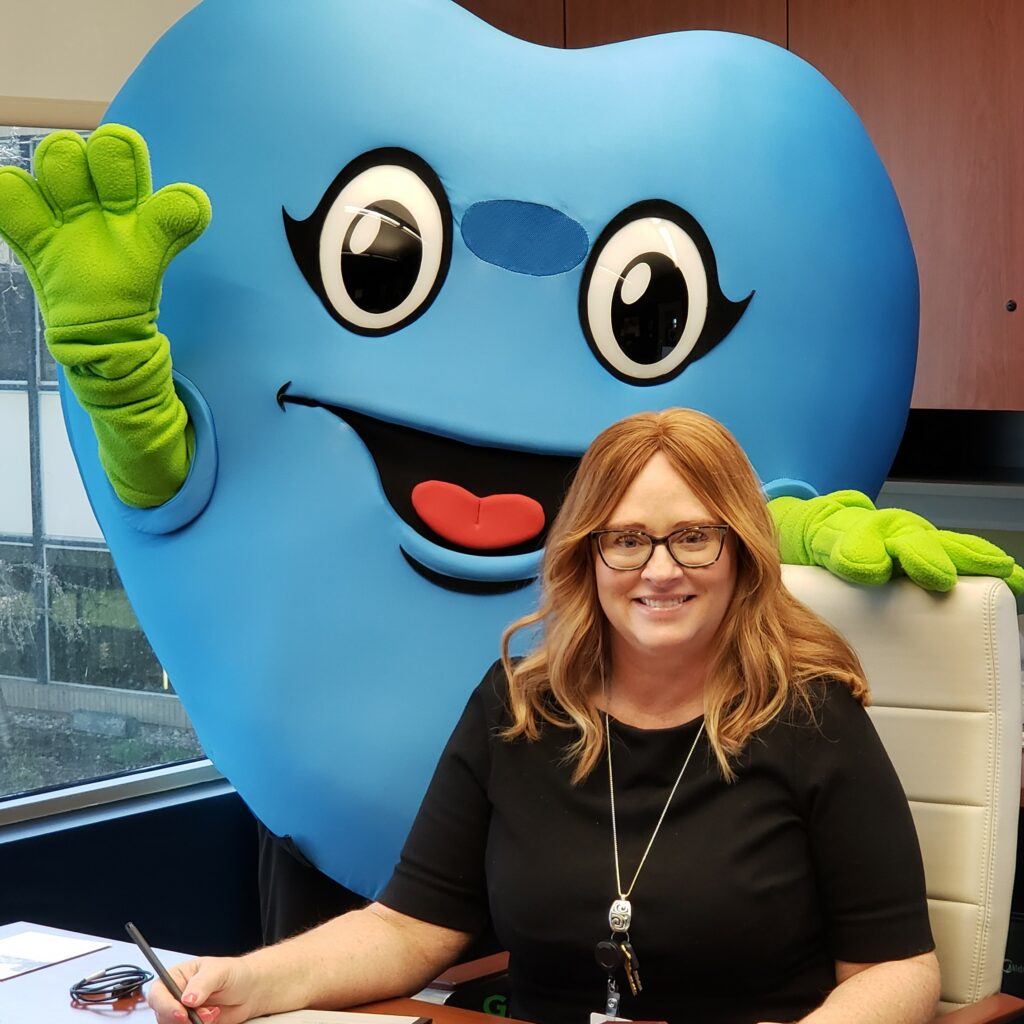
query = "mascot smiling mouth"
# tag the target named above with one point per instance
(481, 529)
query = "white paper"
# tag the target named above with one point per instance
(28, 951)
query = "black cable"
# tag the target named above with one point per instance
(121, 981)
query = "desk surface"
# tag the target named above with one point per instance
(41, 997)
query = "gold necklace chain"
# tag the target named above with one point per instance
(664, 810)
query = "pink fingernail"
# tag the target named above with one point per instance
(190, 998)
(179, 1015)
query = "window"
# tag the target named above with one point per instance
(82, 696)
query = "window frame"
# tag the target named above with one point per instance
(106, 794)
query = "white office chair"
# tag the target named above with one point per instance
(945, 679)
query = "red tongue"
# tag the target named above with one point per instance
(458, 515)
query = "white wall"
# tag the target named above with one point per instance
(64, 60)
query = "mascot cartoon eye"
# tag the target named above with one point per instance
(650, 302)
(376, 249)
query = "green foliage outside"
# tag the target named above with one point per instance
(94, 639)
(42, 752)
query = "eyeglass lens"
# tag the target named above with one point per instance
(630, 549)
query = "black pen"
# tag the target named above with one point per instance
(161, 971)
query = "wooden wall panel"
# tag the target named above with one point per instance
(590, 22)
(939, 85)
(539, 21)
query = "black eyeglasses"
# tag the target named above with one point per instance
(693, 547)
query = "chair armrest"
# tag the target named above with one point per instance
(472, 970)
(995, 1009)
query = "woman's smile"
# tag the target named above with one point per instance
(663, 603)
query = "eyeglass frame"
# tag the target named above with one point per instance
(722, 528)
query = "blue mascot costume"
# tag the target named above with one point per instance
(441, 259)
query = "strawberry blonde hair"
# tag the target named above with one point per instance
(769, 650)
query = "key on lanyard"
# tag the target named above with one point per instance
(632, 964)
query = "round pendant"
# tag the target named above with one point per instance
(620, 915)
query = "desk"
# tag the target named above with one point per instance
(41, 997)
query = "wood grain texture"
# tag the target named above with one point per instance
(591, 22)
(996, 1009)
(439, 1014)
(938, 83)
(539, 21)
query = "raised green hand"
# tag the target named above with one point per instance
(95, 241)
(91, 233)
(846, 534)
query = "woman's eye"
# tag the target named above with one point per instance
(650, 302)
(693, 537)
(377, 247)
(627, 542)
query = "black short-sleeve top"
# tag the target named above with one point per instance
(750, 893)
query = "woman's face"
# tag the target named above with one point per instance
(664, 610)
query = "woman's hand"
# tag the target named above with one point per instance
(219, 989)
(360, 957)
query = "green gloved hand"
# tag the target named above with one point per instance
(95, 241)
(844, 533)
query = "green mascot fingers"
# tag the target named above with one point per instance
(95, 241)
(846, 534)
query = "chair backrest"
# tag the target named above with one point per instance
(945, 681)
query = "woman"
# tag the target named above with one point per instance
(674, 808)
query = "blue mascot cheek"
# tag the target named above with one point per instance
(695, 219)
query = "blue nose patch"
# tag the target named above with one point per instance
(526, 238)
